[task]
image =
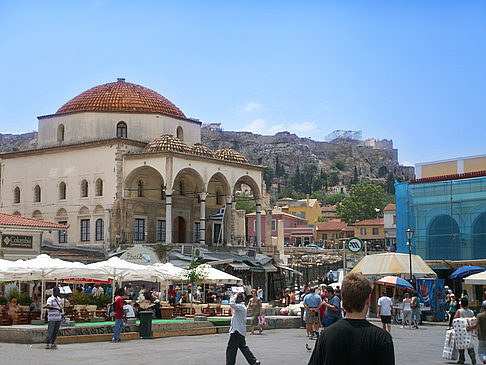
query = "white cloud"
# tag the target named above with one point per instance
(407, 163)
(251, 106)
(275, 129)
(257, 126)
(303, 127)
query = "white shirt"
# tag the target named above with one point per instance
(128, 310)
(385, 305)
(238, 321)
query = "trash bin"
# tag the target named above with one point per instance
(302, 311)
(145, 327)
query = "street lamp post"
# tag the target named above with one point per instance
(409, 233)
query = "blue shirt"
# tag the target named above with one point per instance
(336, 302)
(312, 300)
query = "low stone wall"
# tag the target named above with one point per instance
(29, 334)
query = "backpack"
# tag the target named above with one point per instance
(413, 305)
(110, 310)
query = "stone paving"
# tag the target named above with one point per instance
(273, 347)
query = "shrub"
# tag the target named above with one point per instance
(3, 301)
(83, 299)
(22, 298)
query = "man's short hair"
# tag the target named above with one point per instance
(330, 289)
(355, 290)
(464, 302)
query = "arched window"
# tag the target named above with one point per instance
(62, 190)
(140, 188)
(99, 187)
(443, 238)
(16, 195)
(60, 133)
(479, 236)
(37, 214)
(121, 130)
(100, 227)
(37, 194)
(180, 133)
(16, 213)
(84, 189)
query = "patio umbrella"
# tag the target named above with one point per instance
(396, 282)
(464, 271)
(120, 270)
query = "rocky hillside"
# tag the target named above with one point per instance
(18, 142)
(341, 155)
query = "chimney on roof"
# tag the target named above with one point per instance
(120, 79)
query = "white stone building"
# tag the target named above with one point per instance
(390, 224)
(120, 163)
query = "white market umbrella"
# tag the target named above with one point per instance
(476, 279)
(43, 268)
(215, 276)
(121, 270)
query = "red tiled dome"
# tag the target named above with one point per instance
(167, 143)
(120, 96)
(200, 150)
(230, 154)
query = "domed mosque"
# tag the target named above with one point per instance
(121, 164)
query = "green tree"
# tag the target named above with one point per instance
(333, 178)
(335, 198)
(268, 174)
(340, 164)
(365, 201)
(309, 175)
(297, 180)
(320, 195)
(194, 274)
(322, 219)
(245, 202)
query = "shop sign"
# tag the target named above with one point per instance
(17, 241)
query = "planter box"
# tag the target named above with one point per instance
(166, 312)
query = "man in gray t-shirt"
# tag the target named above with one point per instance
(333, 307)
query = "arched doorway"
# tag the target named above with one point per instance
(479, 237)
(443, 239)
(179, 230)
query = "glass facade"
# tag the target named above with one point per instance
(448, 218)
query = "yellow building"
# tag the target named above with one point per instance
(461, 165)
(309, 209)
(372, 231)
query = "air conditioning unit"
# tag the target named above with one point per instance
(186, 250)
(251, 253)
(197, 252)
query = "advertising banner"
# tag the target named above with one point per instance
(440, 303)
(426, 292)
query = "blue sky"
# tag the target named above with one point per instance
(412, 71)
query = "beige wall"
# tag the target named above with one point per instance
(439, 169)
(369, 232)
(475, 164)
(48, 170)
(89, 126)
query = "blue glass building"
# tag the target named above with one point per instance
(448, 217)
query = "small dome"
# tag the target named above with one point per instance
(230, 154)
(120, 96)
(167, 143)
(200, 150)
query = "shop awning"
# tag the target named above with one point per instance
(268, 267)
(239, 266)
(283, 267)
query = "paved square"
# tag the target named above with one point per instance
(274, 347)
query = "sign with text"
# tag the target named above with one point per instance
(17, 241)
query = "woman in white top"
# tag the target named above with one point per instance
(407, 311)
